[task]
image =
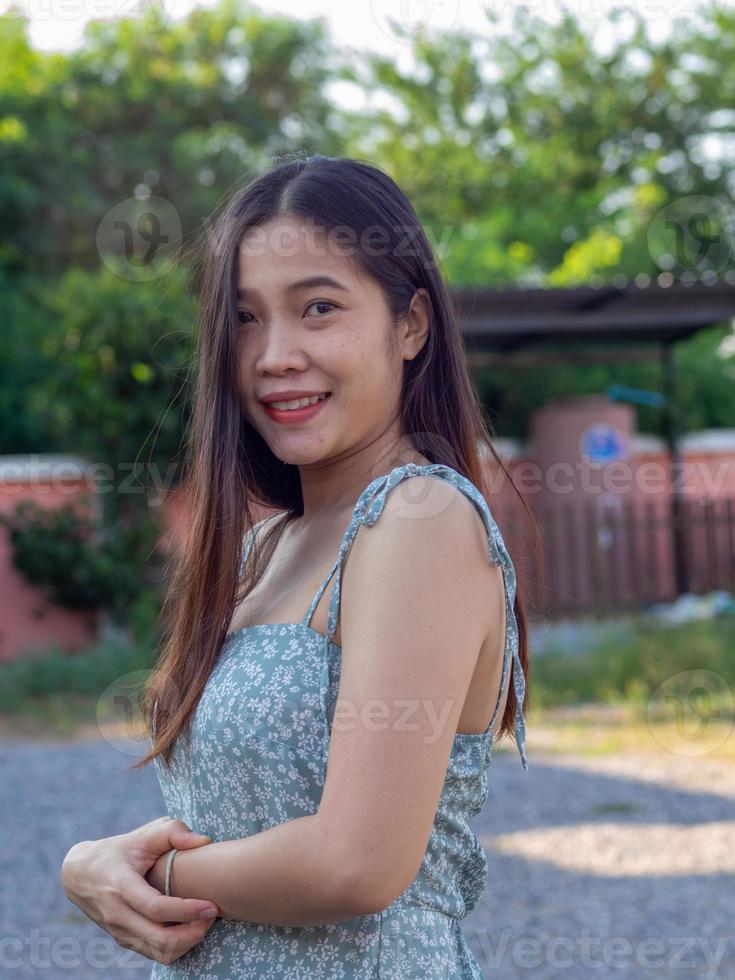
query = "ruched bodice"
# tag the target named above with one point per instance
(254, 754)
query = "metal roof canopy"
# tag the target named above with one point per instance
(519, 327)
(515, 320)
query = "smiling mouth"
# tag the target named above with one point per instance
(297, 403)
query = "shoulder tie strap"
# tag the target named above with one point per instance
(368, 509)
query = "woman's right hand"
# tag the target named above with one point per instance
(106, 880)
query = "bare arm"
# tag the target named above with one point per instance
(282, 876)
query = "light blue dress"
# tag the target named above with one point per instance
(254, 754)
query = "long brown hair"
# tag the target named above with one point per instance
(231, 471)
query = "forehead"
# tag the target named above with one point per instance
(284, 252)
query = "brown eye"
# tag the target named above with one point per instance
(322, 302)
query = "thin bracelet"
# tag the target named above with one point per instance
(169, 861)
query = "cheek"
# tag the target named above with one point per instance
(368, 355)
(245, 359)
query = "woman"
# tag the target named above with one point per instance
(324, 706)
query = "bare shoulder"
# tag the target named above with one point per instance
(434, 512)
(428, 534)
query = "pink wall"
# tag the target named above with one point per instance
(28, 622)
(605, 518)
(604, 524)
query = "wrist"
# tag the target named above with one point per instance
(168, 874)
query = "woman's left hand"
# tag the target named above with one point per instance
(106, 880)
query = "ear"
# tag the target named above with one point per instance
(416, 324)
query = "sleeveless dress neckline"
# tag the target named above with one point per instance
(254, 754)
(366, 511)
(487, 734)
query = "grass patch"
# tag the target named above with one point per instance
(629, 673)
(59, 690)
(595, 731)
(664, 689)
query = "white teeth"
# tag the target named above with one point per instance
(298, 403)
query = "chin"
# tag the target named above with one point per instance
(296, 458)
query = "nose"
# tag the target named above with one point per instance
(281, 350)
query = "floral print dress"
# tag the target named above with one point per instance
(254, 754)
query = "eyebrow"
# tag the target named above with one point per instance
(309, 283)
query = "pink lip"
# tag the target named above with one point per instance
(296, 414)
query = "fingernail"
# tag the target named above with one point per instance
(209, 913)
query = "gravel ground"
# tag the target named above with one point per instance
(617, 866)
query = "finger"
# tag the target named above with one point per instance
(158, 942)
(157, 834)
(147, 901)
(181, 838)
(179, 827)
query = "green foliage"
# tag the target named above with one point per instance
(186, 108)
(57, 673)
(706, 379)
(631, 672)
(531, 158)
(117, 353)
(21, 366)
(79, 567)
(539, 160)
(143, 618)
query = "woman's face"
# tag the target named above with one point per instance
(307, 321)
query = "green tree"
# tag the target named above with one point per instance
(118, 354)
(186, 110)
